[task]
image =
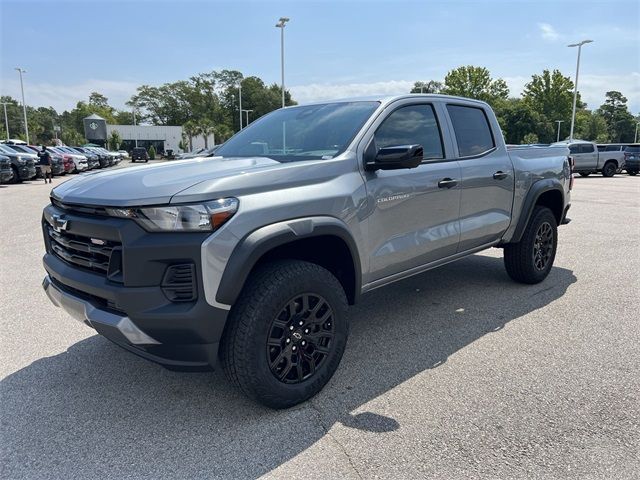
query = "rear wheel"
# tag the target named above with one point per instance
(286, 334)
(633, 173)
(609, 169)
(530, 260)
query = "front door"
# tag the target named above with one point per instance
(415, 211)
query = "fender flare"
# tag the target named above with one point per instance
(259, 242)
(534, 193)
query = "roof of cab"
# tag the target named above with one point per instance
(387, 99)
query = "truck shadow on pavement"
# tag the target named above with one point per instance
(98, 411)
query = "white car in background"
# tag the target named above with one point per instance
(81, 162)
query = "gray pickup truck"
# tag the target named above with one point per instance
(253, 256)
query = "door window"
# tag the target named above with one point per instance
(472, 130)
(411, 125)
(586, 148)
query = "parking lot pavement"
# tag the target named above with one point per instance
(456, 373)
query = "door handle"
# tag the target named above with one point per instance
(447, 183)
(500, 175)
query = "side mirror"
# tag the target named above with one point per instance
(393, 158)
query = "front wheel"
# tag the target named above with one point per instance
(16, 177)
(633, 173)
(530, 260)
(286, 334)
(609, 169)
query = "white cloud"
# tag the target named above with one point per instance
(326, 91)
(65, 97)
(547, 32)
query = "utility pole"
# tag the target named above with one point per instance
(281, 24)
(24, 105)
(575, 87)
(135, 130)
(6, 119)
(247, 116)
(558, 122)
(240, 101)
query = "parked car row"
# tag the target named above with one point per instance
(607, 159)
(19, 161)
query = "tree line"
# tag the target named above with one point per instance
(546, 99)
(208, 103)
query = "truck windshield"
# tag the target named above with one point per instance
(312, 132)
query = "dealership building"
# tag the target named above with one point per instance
(162, 137)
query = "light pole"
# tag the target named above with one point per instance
(281, 24)
(24, 105)
(6, 120)
(558, 122)
(246, 112)
(240, 101)
(135, 130)
(635, 138)
(575, 87)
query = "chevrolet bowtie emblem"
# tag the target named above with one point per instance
(59, 223)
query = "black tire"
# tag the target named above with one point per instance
(16, 178)
(633, 173)
(582, 174)
(269, 303)
(609, 169)
(523, 259)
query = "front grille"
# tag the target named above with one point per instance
(86, 209)
(82, 251)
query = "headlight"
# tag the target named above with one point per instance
(197, 217)
(22, 160)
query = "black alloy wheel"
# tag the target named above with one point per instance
(543, 246)
(300, 338)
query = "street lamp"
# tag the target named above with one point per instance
(575, 87)
(281, 24)
(559, 122)
(6, 120)
(240, 101)
(135, 130)
(635, 138)
(24, 105)
(247, 116)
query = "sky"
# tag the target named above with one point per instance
(333, 49)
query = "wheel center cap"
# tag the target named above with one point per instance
(297, 335)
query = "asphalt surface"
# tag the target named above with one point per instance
(456, 373)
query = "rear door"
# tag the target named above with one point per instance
(589, 155)
(486, 195)
(414, 212)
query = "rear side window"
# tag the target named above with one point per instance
(472, 130)
(411, 125)
(574, 149)
(611, 148)
(586, 148)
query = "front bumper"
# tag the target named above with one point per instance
(26, 172)
(132, 308)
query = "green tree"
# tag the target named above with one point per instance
(620, 122)
(114, 140)
(551, 94)
(432, 86)
(530, 138)
(475, 82)
(72, 137)
(591, 126)
(152, 152)
(100, 101)
(518, 119)
(190, 129)
(206, 128)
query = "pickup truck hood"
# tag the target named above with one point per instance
(153, 184)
